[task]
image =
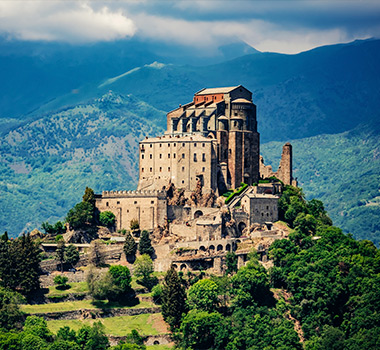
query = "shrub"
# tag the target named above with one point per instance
(107, 219)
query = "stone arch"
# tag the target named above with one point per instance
(202, 248)
(211, 247)
(197, 214)
(241, 227)
(228, 247)
(175, 266)
(183, 267)
(210, 136)
(156, 342)
(219, 247)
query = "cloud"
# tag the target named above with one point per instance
(75, 22)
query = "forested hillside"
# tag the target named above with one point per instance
(46, 163)
(343, 171)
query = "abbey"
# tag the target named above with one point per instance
(213, 139)
(203, 185)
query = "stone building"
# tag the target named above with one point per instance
(214, 138)
(211, 143)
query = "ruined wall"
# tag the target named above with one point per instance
(261, 208)
(285, 169)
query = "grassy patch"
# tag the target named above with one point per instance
(159, 347)
(120, 325)
(80, 304)
(76, 287)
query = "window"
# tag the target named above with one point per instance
(160, 155)
(203, 144)
(117, 202)
(235, 113)
(142, 170)
(150, 145)
(150, 169)
(142, 156)
(168, 168)
(168, 144)
(135, 202)
(183, 145)
(203, 157)
(160, 145)
(160, 169)
(150, 156)
(107, 204)
(183, 168)
(174, 155)
(174, 144)
(195, 157)
(151, 202)
(183, 181)
(195, 145)
(203, 169)
(183, 155)
(168, 155)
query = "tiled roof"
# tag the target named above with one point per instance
(221, 90)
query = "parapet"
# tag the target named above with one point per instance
(160, 194)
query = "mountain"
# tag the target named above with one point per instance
(46, 164)
(342, 170)
(330, 89)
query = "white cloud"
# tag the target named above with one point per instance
(63, 21)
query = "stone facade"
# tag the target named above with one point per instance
(211, 144)
(149, 208)
(213, 138)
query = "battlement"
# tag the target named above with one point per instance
(133, 194)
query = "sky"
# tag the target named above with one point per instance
(277, 26)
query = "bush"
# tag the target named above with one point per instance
(157, 293)
(61, 282)
(107, 219)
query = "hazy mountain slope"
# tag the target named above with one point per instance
(343, 171)
(46, 164)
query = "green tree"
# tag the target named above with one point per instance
(204, 330)
(96, 254)
(101, 285)
(134, 224)
(231, 263)
(145, 244)
(143, 268)
(38, 327)
(71, 255)
(130, 247)
(89, 196)
(97, 339)
(81, 216)
(61, 344)
(66, 333)
(20, 264)
(203, 295)
(306, 223)
(60, 252)
(10, 314)
(61, 282)
(107, 218)
(173, 299)
(121, 278)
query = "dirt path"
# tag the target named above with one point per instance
(278, 293)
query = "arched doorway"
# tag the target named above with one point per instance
(198, 214)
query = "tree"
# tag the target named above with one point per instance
(145, 244)
(81, 216)
(89, 196)
(10, 314)
(130, 247)
(38, 327)
(306, 223)
(203, 295)
(173, 299)
(61, 282)
(204, 330)
(71, 255)
(60, 252)
(107, 218)
(96, 255)
(231, 262)
(20, 264)
(122, 279)
(57, 229)
(101, 285)
(134, 224)
(97, 339)
(144, 268)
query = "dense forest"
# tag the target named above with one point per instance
(322, 292)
